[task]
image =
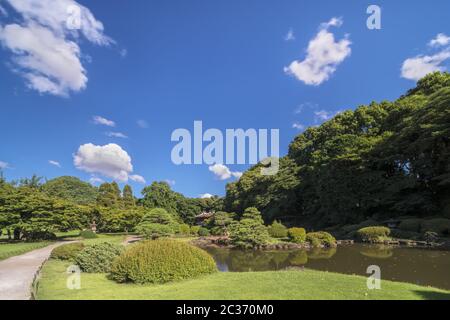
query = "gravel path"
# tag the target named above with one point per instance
(17, 273)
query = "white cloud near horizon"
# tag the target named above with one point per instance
(440, 40)
(206, 196)
(298, 126)
(4, 165)
(103, 121)
(323, 55)
(109, 160)
(45, 50)
(223, 172)
(54, 163)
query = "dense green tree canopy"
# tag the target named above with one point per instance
(71, 189)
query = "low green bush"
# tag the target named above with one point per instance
(277, 230)
(67, 251)
(297, 235)
(154, 230)
(373, 234)
(430, 236)
(440, 226)
(184, 229)
(203, 232)
(195, 230)
(161, 261)
(321, 238)
(88, 234)
(98, 258)
(412, 225)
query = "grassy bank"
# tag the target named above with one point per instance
(8, 250)
(222, 286)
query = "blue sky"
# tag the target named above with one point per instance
(156, 66)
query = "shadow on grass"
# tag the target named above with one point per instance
(430, 295)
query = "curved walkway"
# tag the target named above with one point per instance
(17, 273)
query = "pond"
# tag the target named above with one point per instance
(420, 266)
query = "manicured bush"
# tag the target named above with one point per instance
(277, 230)
(297, 235)
(373, 234)
(67, 251)
(154, 230)
(203, 232)
(161, 261)
(440, 226)
(157, 223)
(88, 234)
(98, 258)
(184, 229)
(321, 238)
(195, 230)
(412, 225)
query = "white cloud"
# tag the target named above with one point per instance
(206, 196)
(290, 36)
(54, 163)
(303, 106)
(103, 121)
(298, 126)
(223, 172)
(4, 165)
(109, 160)
(323, 115)
(44, 46)
(137, 178)
(440, 40)
(170, 182)
(418, 67)
(116, 135)
(142, 124)
(323, 56)
(95, 180)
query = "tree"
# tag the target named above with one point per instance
(250, 231)
(71, 189)
(128, 200)
(108, 195)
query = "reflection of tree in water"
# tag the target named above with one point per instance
(321, 253)
(298, 258)
(242, 261)
(377, 251)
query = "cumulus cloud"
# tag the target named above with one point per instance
(54, 163)
(4, 165)
(323, 56)
(116, 135)
(223, 172)
(440, 40)
(137, 178)
(44, 44)
(109, 160)
(206, 196)
(96, 180)
(103, 121)
(418, 67)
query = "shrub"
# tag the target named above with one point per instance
(161, 261)
(430, 236)
(278, 230)
(297, 235)
(184, 229)
(440, 226)
(195, 230)
(67, 251)
(412, 225)
(98, 258)
(154, 230)
(321, 238)
(203, 232)
(88, 234)
(373, 234)
(402, 234)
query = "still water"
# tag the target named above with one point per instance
(420, 266)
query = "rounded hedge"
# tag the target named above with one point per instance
(297, 235)
(67, 251)
(277, 230)
(321, 238)
(161, 261)
(373, 234)
(98, 258)
(204, 232)
(88, 234)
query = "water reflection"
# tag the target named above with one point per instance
(420, 266)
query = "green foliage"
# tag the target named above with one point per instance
(277, 230)
(98, 258)
(431, 236)
(128, 200)
(220, 223)
(203, 232)
(71, 189)
(373, 234)
(321, 238)
(439, 226)
(184, 229)
(250, 231)
(161, 261)
(297, 235)
(109, 195)
(88, 234)
(157, 223)
(195, 230)
(67, 251)
(154, 230)
(412, 225)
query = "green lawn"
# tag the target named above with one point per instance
(8, 250)
(223, 286)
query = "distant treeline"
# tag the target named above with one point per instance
(381, 161)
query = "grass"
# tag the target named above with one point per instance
(282, 285)
(8, 250)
